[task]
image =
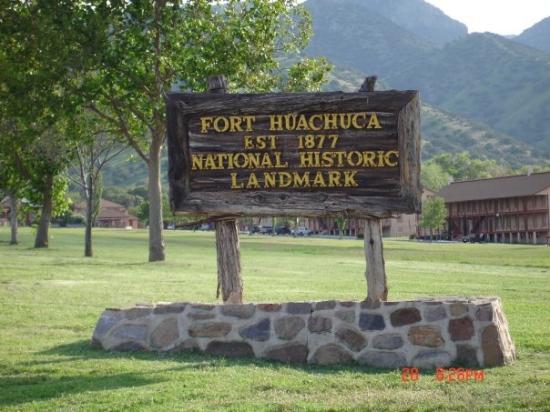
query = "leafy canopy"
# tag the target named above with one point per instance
(153, 47)
(434, 213)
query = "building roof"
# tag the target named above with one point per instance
(496, 188)
(108, 210)
(106, 214)
(107, 204)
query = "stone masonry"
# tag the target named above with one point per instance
(424, 334)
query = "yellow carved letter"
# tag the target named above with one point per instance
(388, 155)
(234, 184)
(275, 122)
(205, 124)
(373, 122)
(197, 162)
(349, 179)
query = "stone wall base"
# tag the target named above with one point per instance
(424, 333)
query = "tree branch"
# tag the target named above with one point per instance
(122, 127)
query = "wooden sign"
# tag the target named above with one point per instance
(298, 154)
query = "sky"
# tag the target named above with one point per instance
(503, 17)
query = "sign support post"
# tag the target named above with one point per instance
(227, 236)
(377, 287)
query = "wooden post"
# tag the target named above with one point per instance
(230, 283)
(377, 287)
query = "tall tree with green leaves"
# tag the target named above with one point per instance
(434, 214)
(38, 170)
(433, 176)
(45, 51)
(155, 46)
(461, 166)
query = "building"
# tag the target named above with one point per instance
(111, 214)
(511, 209)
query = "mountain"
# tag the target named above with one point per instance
(537, 36)
(416, 23)
(481, 77)
(419, 17)
(445, 132)
(351, 35)
(489, 79)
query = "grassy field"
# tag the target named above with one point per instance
(51, 299)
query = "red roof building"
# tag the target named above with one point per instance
(111, 214)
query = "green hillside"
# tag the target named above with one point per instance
(489, 79)
(537, 36)
(445, 132)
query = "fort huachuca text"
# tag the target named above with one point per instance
(293, 151)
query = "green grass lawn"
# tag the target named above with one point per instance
(51, 299)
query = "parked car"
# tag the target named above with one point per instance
(475, 238)
(282, 230)
(254, 229)
(266, 230)
(302, 231)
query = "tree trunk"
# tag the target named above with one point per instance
(227, 236)
(88, 252)
(377, 288)
(42, 233)
(156, 240)
(13, 220)
(229, 262)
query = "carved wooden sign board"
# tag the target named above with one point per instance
(294, 154)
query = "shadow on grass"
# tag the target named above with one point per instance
(95, 263)
(34, 388)
(81, 350)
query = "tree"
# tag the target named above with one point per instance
(92, 155)
(434, 214)
(10, 185)
(154, 45)
(460, 166)
(537, 168)
(36, 169)
(40, 67)
(342, 224)
(434, 177)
